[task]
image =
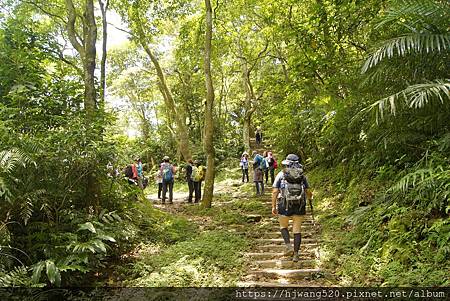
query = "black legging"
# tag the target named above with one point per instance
(191, 189)
(159, 190)
(272, 175)
(244, 174)
(198, 191)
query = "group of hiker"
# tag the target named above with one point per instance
(290, 188)
(263, 166)
(134, 173)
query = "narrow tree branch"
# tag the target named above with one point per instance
(46, 11)
(71, 28)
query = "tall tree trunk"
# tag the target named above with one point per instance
(246, 132)
(86, 47)
(250, 101)
(104, 9)
(249, 108)
(181, 130)
(209, 113)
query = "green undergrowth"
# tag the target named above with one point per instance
(157, 226)
(194, 247)
(212, 258)
(375, 236)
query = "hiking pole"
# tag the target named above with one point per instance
(314, 222)
(312, 209)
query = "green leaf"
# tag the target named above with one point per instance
(87, 226)
(51, 271)
(99, 245)
(106, 237)
(37, 270)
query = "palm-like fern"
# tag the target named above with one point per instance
(415, 96)
(407, 44)
(9, 160)
(427, 24)
(23, 201)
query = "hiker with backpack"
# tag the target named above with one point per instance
(168, 171)
(244, 166)
(289, 193)
(198, 175)
(258, 164)
(189, 179)
(272, 166)
(131, 174)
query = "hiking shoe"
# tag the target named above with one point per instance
(288, 251)
(295, 258)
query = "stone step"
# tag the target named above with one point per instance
(275, 283)
(286, 264)
(280, 241)
(307, 220)
(281, 248)
(286, 273)
(306, 233)
(304, 255)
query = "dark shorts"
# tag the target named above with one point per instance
(296, 209)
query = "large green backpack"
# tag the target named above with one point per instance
(199, 174)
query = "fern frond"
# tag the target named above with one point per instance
(419, 95)
(424, 177)
(4, 191)
(407, 44)
(412, 179)
(412, 9)
(26, 207)
(16, 277)
(9, 159)
(416, 96)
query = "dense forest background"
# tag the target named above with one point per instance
(359, 89)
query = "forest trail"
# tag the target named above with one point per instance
(268, 267)
(266, 264)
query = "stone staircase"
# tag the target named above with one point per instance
(268, 267)
(264, 146)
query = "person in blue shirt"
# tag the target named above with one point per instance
(258, 179)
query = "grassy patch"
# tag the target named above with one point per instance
(211, 259)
